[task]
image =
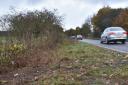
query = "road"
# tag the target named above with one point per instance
(123, 48)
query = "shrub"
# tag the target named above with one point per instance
(9, 53)
(29, 32)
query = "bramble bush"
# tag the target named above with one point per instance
(35, 31)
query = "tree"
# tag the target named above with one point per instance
(31, 26)
(104, 18)
(85, 29)
(70, 32)
(33, 23)
(78, 30)
(122, 20)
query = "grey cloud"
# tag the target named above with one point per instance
(75, 11)
(34, 2)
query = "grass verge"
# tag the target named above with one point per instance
(84, 64)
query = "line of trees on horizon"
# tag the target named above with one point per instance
(84, 30)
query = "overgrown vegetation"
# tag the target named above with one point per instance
(84, 64)
(27, 50)
(29, 33)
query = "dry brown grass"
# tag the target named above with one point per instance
(29, 64)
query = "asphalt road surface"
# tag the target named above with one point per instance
(123, 48)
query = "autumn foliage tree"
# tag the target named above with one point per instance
(122, 20)
(104, 18)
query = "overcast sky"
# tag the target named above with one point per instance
(75, 12)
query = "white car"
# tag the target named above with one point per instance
(72, 37)
(114, 34)
(79, 37)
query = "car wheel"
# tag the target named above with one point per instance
(101, 42)
(106, 40)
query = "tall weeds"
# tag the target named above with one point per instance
(31, 36)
